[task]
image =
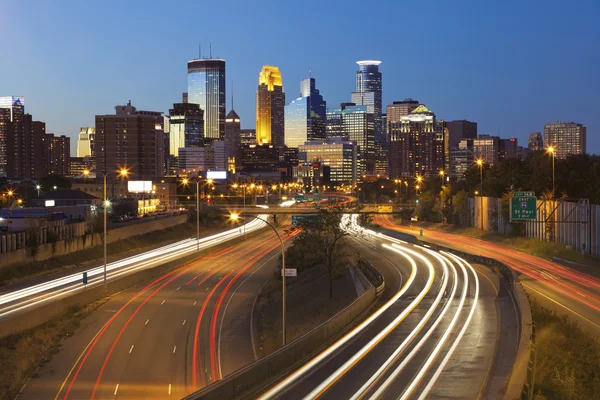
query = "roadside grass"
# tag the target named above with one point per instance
(22, 354)
(568, 359)
(308, 305)
(23, 271)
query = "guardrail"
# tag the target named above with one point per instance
(250, 380)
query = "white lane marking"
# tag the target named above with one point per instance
(450, 352)
(131, 349)
(184, 322)
(116, 389)
(148, 320)
(386, 365)
(178, 288)
(205, 289)
(351, 362)
(163, 302)
(174, 348)
(169, 388)
(194, 303)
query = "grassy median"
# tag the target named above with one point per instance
(568, 359)
(22, 354)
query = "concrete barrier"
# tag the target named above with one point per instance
(40, 315)
(256, 377)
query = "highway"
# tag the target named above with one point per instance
(32, 296)
(435, 332)
(168, 338)
(555, 286)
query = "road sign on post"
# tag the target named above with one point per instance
(523, 206)
(291, 272)
(385, 209)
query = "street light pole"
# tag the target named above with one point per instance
(480, 163)
(197, 216)
(104, 241)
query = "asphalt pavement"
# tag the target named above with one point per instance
(166, 338)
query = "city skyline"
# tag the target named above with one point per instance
(509, 82)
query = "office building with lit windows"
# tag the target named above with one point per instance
(57, 154)
(487, 148)
(339, 155)
(12, 109)
(461, 159)
(132, 139)
(305, 116)
(270, 104)
(536, 141)
(86, 142)
(25, 148)
(186, 125)
(206, 87)
(566, 137)
(232, 137)
(417, 144)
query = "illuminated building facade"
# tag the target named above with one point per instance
(368, 80)
(86, 142)
(487, 148)
(232, 137)
(461, 159)
(305, 116)
(417, 144)
(339, 155)
(206, 87)
(186, 126)
(270, 103)
(567, 137)
(536, 141)
(131, 139)
(259, 157)
(12, 109)
(25, 148)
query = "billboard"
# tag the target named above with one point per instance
(216, 175)
(49, 203)
(139, 186)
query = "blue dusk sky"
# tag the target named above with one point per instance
(512, 66)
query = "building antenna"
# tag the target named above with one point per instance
(232, 94)
(210, 49)
(310, 73)
(199, 51)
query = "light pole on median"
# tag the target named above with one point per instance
(552, 152)
(235, 217)
(185, 181)
(123, 172)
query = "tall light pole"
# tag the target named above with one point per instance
(552, 152)
(10, 193)
(38, 187)
(480, 163)
(235, 217)
(123, 174)
(442, 173)
(186, 181)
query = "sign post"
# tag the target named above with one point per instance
(85, 278)
(291, 272)
(523, 206)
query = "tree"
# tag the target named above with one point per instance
(319, 243)
(460, 203)
(425, 209)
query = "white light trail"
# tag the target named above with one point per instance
(44, 292)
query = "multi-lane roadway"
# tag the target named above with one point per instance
(168, 337)
(435, 334)
(558, 287)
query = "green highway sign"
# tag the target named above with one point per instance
(523, 205)
(299, 198)
(298, 220)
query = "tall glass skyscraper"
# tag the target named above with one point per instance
(305, 117)
(206, 87)
(270, 102)
(368, 80)
(186, 126)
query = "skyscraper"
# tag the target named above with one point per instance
(232, 137)
(567, 137)
(86, 142)
(270, 103)
(305, 116)
(206, 87)
(130, 139)
(417, 147)
(460, 129)
(186, 125)
(487, 148)
(368, 80)
(339, 155)
(12, 109)
(357, 125)
(536, 141)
